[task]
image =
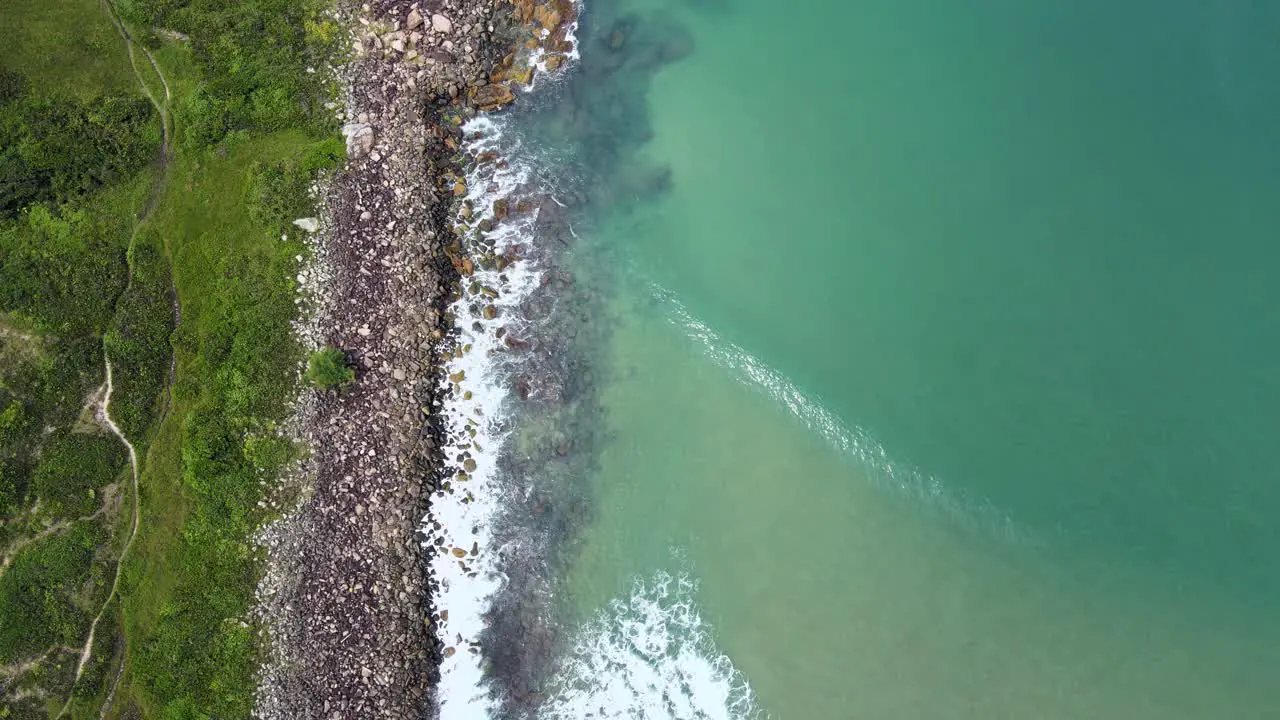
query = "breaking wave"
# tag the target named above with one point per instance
(650, 656)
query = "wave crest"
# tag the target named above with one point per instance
(650, 656)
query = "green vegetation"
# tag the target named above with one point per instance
(187, 596)
(70, 470)
(101, 247)
(64, 265)
(59, 148)
(42, 596)
(327, 369)
(252, 56)
(77, 142)
(138, 338)
(65, 47)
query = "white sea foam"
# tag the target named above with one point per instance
(650, 656)
(466, 513)
(850, 440)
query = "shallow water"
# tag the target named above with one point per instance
(930, 372)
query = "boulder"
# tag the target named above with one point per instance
(360, 138)
(490, 97)
(415, 19)
(441, 24)
(547, 16)
(524, 75)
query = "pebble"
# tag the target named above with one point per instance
(345, 579)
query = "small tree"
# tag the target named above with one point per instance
(327, 369)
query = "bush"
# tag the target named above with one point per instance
(37, 594)
(138, 340)
(61, 267)
(72, 467)
(277, 193)
(52, 150)
(253, 57)
(328, 369)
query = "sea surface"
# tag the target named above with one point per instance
(880, 359)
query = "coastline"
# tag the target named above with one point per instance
(346, 598)
(345, 592)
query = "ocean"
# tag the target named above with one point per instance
(874, 360)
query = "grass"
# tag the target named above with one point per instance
(64, 264)
(65, 46)
(248, 141)
(190, 583)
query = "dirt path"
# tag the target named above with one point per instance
(87, 651)
(166, 124)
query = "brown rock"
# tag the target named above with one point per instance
(547, 16)
(489, 97)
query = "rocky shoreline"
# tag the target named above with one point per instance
(345, 598)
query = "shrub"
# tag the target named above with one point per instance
(328, 369)
(72, 467)
(52, 150)
(138, 340)
(37, 594)
(61, 267)
(278, 192)
(252, 56)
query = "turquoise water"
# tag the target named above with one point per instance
(942, 367)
